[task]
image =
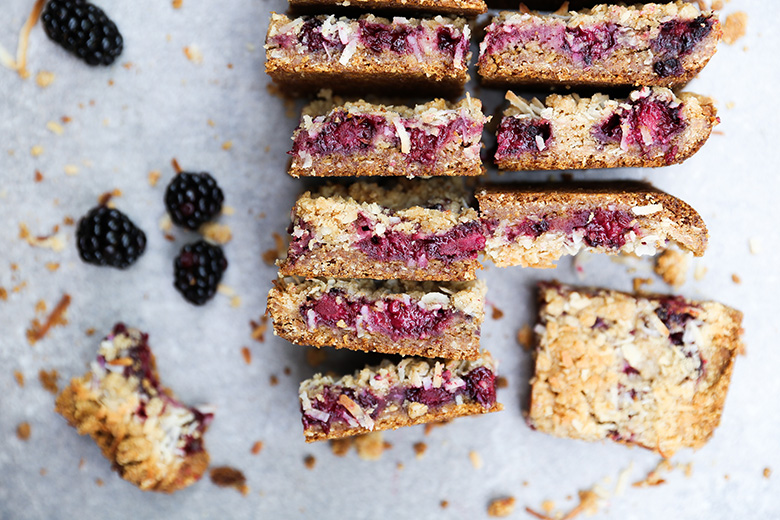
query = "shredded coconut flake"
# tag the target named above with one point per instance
(647, 210)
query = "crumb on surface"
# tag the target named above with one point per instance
(370, 446)
(431, 425)
(3, 294)
(36, 150)
(273, 380)
(501, 382)
(309, 461)
(525, 336)
(672, 267)
(216, 232)
(44, 78)
(654, 477)
(19, 377)
(497, 313)
(767, 472)
(316, 356)
(225, 476)
(99, 482)
(277, 252)
(38, 331)
(639, 283)
(228, 210)
(500, 507)
(734, 27)
(735, 278)
(476, 459)
(444, 504)
(49, 380)
(340, 447)
(247, 355)
(257, 447)
(420, 449)
(175, 165)
(177, 4)
(754, 243)
(55, 128)
(55, 241)
(193, 53)
(90, 331)
(258, 328)
(23, 431)
(153, 177)
(699, 272)
(227, 145)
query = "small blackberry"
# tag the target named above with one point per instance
(193, 198)
(82, 29)
(106, 236)
(197, 271)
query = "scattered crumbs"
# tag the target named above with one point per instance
(215, 232)
(688, 469)
(497, 313)
(247, 355)
(90, 331)
(699, 272)
(767, 472)
(399, 466)
(177, 4)
(110, 82)
(192, 52)
(444, 504)
(476, 459)
(267, 148)
(19, 378)
(71, 169)
(55, 128)
(38, 176)
(548, 506)
(734, 27)
(23, 431)
(672, 266)
(525, 483)
(166, 224)
(340, 447)
(273, 380)
(315, 356)
(99, 482)
(211, 123)
(40, 307)
(287, 371)
(52, 266)
(106, 122)
(18, 288)
(66, 119)
(225, 476)
(153, 177)
(754, 243)
(736, 279)
(726, 477)
(370, 446)
(639, 284)
(270, 256)
(431, 425)
(127, 65)
(525, 336)
(3, 294)
(228, 210)
(501, 507)
(175, 165)
(36, 150)
(622, 479)
(43, 472)
(501, 382)
(55, 241)
(82, 462)
(654, 478)
(230, 66)
(227, 145)
(717, 5)
(729, 105)
(257, 447)
(44, 78)
(49, 380)
(68, 221)
(105, 198)
(419, 449)
(259, 328)
(309, 461)
(38, 331)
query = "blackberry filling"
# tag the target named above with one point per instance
(590, 43)
(312, 38)
(341, 133)
(379, 37)
(676, 39)
(522, 135)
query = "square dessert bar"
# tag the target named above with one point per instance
(429, 319)
(392, 395)
(651, 371)
(534, 225)
(309, 53)
(652, 127)
(453, 7)
(365, 139)
(152, 440)
(606, 46)
(409, 230)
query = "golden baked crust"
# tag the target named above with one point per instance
(391, 146)
(630, 62)
(657, 217)
(573, 121)
(152, 452)
(456, 7)
(459, 339)
(386, 396)
(651, 370)
(357, 69)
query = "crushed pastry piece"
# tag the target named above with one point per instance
(19, 377)
(247, 355)
(370, 446)
(272, 255)
(225, 476)
(767, 472)
(699, 272)
(177, 3)
(525, 336)
(672, 266)
(476, 459)
(153, 178)
(273, 380)
(419, 449)
(227, 145)
(502, 382)
(501, 507)
(340, 447)
(654, 478)
(52, 266)
(257, 447)
(193, 53)
(497, 313)
(258, 328)
(36, 150)
(3, 294)
(55, 241)
(639, 284)
(309, 461)
(38, 331)
(55, 128)
(736, 279)
(444, 504)
(755, 245)
(23, 431)
(49, 380)
(217, 233)
(734, 27)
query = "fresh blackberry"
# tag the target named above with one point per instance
(197, 271)
(106, 236)
(82, 29)
(193, 198)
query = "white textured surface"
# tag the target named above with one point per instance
(157, 109)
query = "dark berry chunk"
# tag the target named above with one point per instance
(379, 37)
(193, 199)
(676, 39)
(82, 29)
(519, 135)
(607, 229)
(481, 385)
(106, 236)
(589, 44)
(197, 271)
(341, 133)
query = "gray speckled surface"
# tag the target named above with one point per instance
(127, 121)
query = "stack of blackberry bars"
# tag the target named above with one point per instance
(390, 267)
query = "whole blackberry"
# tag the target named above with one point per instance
(193, 198)
(82, 29)
(106, 236)
(197, 271)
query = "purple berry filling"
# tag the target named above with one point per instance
(608, 229)
(650, 123)
(299, 242)
(675, 313)
(463, 242)
(380, 37)
(589, 43)
(676, 39)
(392, 317)
(312, 38)
(519, 135)
(447, 42)
(341, 133)
(480, 387)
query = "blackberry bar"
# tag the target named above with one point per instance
(453, 7)
(651, 371)
(652, 127)
(427, 319)
(309, 53)
(606, 46)
(392, 395)
(364, 139)
(152, 440)
(534, 225)
(410, 230)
